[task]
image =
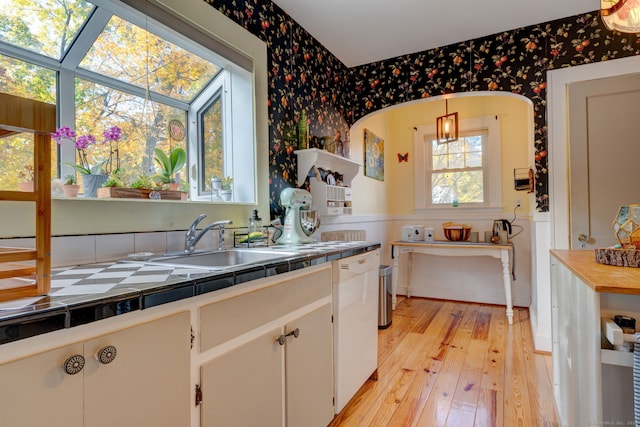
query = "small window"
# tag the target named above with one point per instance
(466, 170)
(457, 170)
(212, 148)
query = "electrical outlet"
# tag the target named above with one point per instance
(517, 204)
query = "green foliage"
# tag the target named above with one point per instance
(143, 182)
(70, 180)
(93, 170)
(115, 179)
(170, 164)
(227, 181)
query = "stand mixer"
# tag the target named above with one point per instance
(298, 226)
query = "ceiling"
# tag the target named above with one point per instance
(362, 31)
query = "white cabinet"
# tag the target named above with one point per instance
(592, 385)
(146, 383)
(272, 366)
(328, 199)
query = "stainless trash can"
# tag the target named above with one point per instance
(384, 297)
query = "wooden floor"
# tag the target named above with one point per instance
(447, 363)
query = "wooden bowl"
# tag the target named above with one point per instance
(457, 233)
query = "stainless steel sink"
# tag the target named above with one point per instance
(221, 259)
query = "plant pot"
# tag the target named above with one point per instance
(174, 186)
(26, 186)
(71, 190)
(91, 183)
(216, 183)
(226, 195)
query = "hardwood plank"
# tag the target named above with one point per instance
(517, 411)
(542, 409)
(436, 411)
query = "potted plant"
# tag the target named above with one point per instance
(169, 165)
(26, 175)
(226, 191)
(70, 188)
(93, 176)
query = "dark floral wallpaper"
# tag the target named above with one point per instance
(306, 77)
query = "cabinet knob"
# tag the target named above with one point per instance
(107, 354)
(74, 364)
(282, 339)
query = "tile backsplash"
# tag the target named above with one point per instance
(77, 250)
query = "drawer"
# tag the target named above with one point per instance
(227, 319)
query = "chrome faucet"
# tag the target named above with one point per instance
(193, 236)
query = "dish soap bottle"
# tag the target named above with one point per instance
(255, 227)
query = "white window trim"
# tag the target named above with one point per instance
(493, 178)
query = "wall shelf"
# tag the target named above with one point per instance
(329, 199)
(307, 159)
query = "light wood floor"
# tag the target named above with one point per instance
(448, 363)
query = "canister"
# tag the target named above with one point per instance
(406, 233)
(418, 233)
(428, 234)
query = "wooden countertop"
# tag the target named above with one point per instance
(600, 277)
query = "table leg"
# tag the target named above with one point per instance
(394, 279)
(409, 273)
(506, 277)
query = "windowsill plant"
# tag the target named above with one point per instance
(169, 166)
(70, 188)
(226, 191)
(82, 143)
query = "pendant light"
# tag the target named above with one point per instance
(447, 126)
(621, 15)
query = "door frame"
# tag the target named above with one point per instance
(557, 82)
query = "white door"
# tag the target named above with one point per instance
(244, 387)
(604, 148)
(147, 383)
(309, 369)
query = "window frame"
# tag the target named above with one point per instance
(492, 176)
(233, 76)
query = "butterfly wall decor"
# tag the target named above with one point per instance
(403, 158)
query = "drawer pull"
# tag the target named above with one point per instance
(282, 339)
(107, 354)
(74, 364)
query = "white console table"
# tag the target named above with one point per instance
(446, 248)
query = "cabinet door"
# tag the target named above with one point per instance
(243, 387)
(36, 391)
(309, 370)
(147, 383)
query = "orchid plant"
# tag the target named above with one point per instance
(84, 142)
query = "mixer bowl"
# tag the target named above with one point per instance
(310, 221)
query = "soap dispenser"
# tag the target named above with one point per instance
(255, 227)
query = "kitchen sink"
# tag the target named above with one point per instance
(220, 259)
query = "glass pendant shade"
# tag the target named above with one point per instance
(621, 15)
(447, 126)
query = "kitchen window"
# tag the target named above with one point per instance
(463, 173)
(104, 63)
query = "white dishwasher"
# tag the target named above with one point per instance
(355, 323)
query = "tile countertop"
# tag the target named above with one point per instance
(88, 293)
(600, 277)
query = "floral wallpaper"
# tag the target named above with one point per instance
(306, 77)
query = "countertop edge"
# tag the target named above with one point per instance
(15, 326)
(601, 278)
